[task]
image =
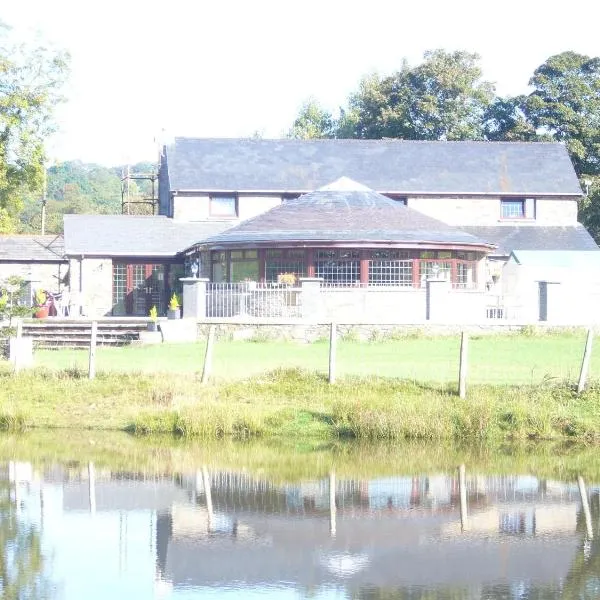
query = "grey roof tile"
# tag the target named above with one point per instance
(535, 237)
(130, 235)
(402, 166)
(343, 216)
(36, 248)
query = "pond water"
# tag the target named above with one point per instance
(188, 522)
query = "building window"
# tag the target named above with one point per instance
(391, 267)
(338, 267)
(466, 275)
(223, 206)
(284, 261)
(434, 268)
(512, 209)
(219, 267)
(243, 266)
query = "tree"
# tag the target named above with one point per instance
(443, 98)
(22, 564)
(30, 80)
(566, 104)
(312, 122)
(505, 119)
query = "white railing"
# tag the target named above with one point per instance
(251, 299)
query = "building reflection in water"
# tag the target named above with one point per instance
(216, 529)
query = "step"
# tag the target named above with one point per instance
(57, 332)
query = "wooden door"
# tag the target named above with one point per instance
(137, 287)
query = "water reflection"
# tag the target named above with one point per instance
(213, 533)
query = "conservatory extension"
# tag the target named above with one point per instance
(346, 235)
(347, 266)
(342, 252)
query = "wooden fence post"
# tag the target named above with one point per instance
(462, 485)
(332, 351)
(18, 357)
(332, 507)
(208, 355)
(92, 487)
(586, 508)
(208, 495)
(92, 361)
(585, 363)
(462, 368)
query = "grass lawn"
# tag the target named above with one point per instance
(493, 359)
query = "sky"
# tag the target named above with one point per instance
(144, 71)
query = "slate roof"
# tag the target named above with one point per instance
(534, 237)
(130, 235)
(32, 248)
(402, 166)
(330, 215)
(561, 259)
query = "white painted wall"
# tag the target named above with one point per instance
(191, 208)
(252, 206)
(197, 208)
(573, 294)
(487, 211)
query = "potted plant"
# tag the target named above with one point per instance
(41, 307)
(286, 279)
(153, 314)
(173, 311)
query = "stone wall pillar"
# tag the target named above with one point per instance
(312, 306)
(194, 297)
(437, 301)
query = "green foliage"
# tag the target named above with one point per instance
(589, 209)
(312, 122)
(30, 81)
(81, 188)
(443, 98)
(11, 291)
(153, 314)
(566, 104)
(505, 119)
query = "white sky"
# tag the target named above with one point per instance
(228, 68)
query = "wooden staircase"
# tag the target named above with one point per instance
(56, 332)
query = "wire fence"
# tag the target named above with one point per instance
(528, 356)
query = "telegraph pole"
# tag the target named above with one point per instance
(44, 200)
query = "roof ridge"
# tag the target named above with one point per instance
(364, 141)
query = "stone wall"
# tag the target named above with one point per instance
(48, 276)
(310, 333)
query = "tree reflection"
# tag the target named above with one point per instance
(21, 560)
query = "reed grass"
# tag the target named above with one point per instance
(298, 404)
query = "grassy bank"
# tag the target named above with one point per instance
(297, 404)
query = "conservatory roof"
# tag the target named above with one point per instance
(345, 213)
